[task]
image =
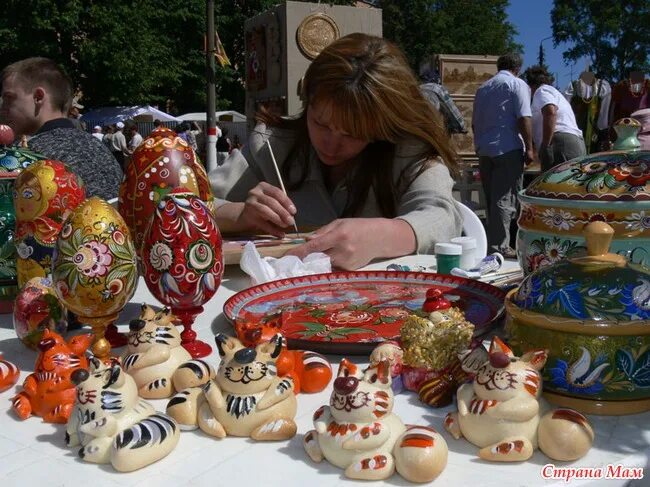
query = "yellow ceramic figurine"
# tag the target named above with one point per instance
(247, 398)
(113, 425)
(501, 411)
(359, 432)
(155, 357)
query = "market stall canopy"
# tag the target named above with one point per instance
(139, 113)
(224, 116)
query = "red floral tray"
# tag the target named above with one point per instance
(351, 312)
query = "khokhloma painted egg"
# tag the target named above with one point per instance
(182, 256)
(95, 269)
(161, 163)
(36, 308)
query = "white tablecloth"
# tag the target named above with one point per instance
(33, 453)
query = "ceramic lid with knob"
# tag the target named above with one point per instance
(620, 175)
(601, 287)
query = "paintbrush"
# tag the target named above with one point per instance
(277, 172)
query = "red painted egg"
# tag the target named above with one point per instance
(182, 255)
(161, 163)
(6, 135)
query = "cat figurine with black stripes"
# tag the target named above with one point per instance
(156, 359)
(502, 412)
(247, 397)
(359, 432)
(112, 424)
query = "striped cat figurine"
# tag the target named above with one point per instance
(247, 397)
(113, 425)
(502, 413)
(155, 358)
(359, 432)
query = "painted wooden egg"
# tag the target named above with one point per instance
(161, 163)
(37, 308)
(12, 161)
(94, 269)
(182, 257)
(44, 195)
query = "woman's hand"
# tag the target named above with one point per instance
(353, 242)
(268, 209)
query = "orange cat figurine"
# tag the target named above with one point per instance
(49, 392)
(311, 372)
(8, 374)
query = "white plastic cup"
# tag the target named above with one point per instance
(468, 258)
(447, 257)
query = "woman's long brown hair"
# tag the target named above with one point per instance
(376, 97)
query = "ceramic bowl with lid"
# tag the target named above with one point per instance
(613, 187)
(592, 314)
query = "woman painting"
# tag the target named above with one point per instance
(367, 161)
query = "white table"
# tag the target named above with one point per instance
(33, 453)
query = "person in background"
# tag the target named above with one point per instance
(556, 134)
(192, 132)
(135, 140)
(108, 137)
(441, 100)
(236, 143)
(75, 115)
(118, 144)
(368, 161)
(97, 133)
(157, 124)
(181, 130)
(501, 122)
(223, 146)
(36, 97)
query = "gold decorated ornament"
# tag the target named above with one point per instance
(434, 343)
(315, 33)
(95, 267)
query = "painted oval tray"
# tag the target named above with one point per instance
(351, 312)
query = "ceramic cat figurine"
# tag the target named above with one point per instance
(247, 398)
(9, 374)
(49, 392)
(311, 372)
(501, 411)
(359, 432)
(154, 354)
(113, 425)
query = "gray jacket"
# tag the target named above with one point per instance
(427, 204)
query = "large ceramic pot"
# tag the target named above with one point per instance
(613, 187)
(12, 162)
(161, 163)
(592, 314)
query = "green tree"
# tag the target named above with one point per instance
(118, 53)
(425, 27)
(615, 36)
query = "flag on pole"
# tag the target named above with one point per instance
(220, 52)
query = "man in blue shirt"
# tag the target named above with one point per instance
(502, 127)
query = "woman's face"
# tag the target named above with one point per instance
(333, 146)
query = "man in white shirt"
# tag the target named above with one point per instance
(555, 131)
(118, 144)
(97, 133)
(136, 139)
(501, 122)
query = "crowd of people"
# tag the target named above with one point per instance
(369, 161)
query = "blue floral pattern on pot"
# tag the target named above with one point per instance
(562, 290)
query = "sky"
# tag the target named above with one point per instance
(532, 18)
